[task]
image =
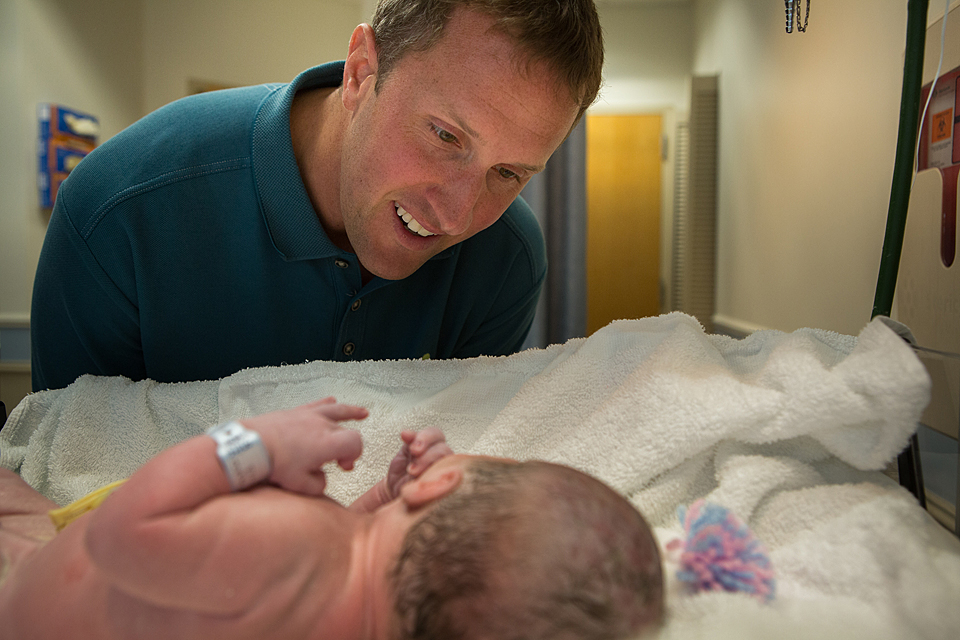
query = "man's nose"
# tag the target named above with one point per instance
(454, 199)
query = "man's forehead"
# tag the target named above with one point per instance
(487, 84)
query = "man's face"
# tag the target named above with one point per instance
(444, 147)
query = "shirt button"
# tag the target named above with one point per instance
(355, 305)
(349, 348)
(343, 264)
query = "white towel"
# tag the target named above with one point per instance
(68, 442)
(633, 401)
(787, 430)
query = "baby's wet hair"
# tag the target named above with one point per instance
(529, 550)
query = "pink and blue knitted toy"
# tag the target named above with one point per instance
(720, 553)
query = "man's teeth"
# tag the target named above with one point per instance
(412, 224)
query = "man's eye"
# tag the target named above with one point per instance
(445, 135)
(506, 174)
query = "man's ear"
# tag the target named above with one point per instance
(360, 65)
(431, 487)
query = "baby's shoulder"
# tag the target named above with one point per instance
(291, 518)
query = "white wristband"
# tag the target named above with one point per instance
(244, 458)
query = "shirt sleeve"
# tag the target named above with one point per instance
(510, 267)
(80, 322)
(504, 333)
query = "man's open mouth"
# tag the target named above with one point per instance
(411, 224)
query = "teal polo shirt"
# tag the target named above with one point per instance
(186, 248)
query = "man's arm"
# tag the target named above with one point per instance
(81, 320)
(500, 318)
(155, 535)
(418, 452)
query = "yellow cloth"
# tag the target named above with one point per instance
(65, 515)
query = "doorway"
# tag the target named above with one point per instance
(623, 217)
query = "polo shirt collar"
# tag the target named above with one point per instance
(291, 220)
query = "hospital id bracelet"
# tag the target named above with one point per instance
(244, 458)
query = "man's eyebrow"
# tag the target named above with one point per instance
(532, 168)
(457, 120)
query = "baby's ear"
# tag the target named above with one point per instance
(431, 487)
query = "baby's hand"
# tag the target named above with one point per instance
(419, 451)
(300, 441)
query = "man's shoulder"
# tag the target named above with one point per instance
(196, 129)
(194, 136)
(518, 234)
(521, 220)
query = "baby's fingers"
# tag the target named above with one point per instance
(429, 446)
(426, 439)
(342, 445)
(337, 412)
(322, 401)
(422, 463)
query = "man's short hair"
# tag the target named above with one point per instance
(565, 34)
(529, 550)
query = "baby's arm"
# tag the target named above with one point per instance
(155, 534)
(23, 510)
(418, 452)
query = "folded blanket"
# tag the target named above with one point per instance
(786, 430)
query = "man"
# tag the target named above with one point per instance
(446, 546)
(368, 210)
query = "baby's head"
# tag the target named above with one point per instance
(529, 550)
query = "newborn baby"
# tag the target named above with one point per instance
(202, 542)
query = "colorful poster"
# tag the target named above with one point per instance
(66, 136)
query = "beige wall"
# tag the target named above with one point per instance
(255, 41)
(808, 134)
(807, 139)
(648, 56)
(86, 55)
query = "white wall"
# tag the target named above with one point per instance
(807, 140)
(85, 55)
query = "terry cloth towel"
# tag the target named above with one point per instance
(632, 402)
(788, 430)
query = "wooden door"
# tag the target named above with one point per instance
(623, 218)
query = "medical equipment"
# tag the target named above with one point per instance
(793, 14)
